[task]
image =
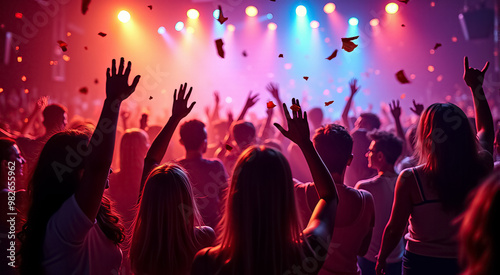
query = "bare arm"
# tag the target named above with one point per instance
(345, 113)
(101, 146)
(41, 103)
(396, 114)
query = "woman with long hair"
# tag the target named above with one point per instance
(70, 227)
(168, 228)
(260, 227)
(432, 195)
(479, 238)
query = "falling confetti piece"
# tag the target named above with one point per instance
(403, 96)
(403, 25)
(150, 97)
(328, 103)
(437, 46)
(229, 147)
(85, 48)
(102, 34)
(295, 107)
(220, 50)
(281, 55)
(85, 6)
(402, 77)
(306, 78)
(84, 90)
(221, 18)
(270, 105)
(96, 81)
(150, 7)
(244, 53)
(404, 1)
(63, 45)
(333, 55)
(19, 15)
(348, 45)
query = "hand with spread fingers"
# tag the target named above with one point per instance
(180, 107)
(298, 126)
(117, 87)
(474, 77)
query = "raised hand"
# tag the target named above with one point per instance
(273, 88)
(179, 107)
(251, 100)
(298, 127)
(395, 109)
(117, 87)
(419, 108)
(216, 97)
(41, 103)
(353, 85)
(474, 77)
(125, 115)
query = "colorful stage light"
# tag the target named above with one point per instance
(193, 14)
(272, 26)
(216, 13)
(374, 22)
(391, 8)
(179, 26)
(124, 16)
(162, 30)
(314, 24)
(231, 27)
(353, 21)
(251, 11)
(329, 8)
(269, 16)
(301, 11)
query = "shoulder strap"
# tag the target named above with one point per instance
(419, 184)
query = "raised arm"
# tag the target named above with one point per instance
(396, 114)
(484, 121)
(40, 104)
(273, 88)
(322, 220)
(345, 113)
(101, 145)
(159, 146)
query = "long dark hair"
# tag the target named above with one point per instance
(449, 148)
(55, 179)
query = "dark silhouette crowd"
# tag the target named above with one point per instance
(361, 195)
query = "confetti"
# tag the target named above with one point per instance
(328, 103)
(270, 105)
(150, 7)
(437, 46)
(244, 53)
(348, 45)
(96, 81)
(63, 45)
(306, 78)
(281, 55)
(220, 50)
(84, 90)
(400, 75)
(85, 48)
(102, 34)
(404, 1)
(333, 55)
(295, 107)
(403, 25)
(85, 6)
(19, 15)
(229, 147)
(403, 96)
(150, 97)
(221, 18)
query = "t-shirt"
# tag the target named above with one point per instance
(358, 169)
(348, 238)
(75, 245)
(382, 189)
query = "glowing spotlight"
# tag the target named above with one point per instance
(269, 16)
(314, 24)
(190, 29)
(391, 8)
(216, 14)
(179, 26)
(374, 22)
(329, 8)
(251, 11)
(353, 21)
(162, 30)
(124, 16)
(229, 99)
(301, 11)
(272, 26)
(193, 14)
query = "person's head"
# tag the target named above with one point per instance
(334, 145)
(478, 238)
(368, 121)
(411, 137)
(194, 136)
(10, 159)
(315, 116)
(163, 240)
(260, 211)
(243, 133)
(55, 118)
(133, 148)
(385, 148)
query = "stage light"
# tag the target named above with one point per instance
(229, 100)
(353, 21)
(314, 24)
(329, 8)
(124, 16)
(231, 27)
(193, 14)
(179, 26)
(190, 29)
(391, 8)
(251, 11)
(162, 30)
(272, 26)
(216, 13)
(374, 22)
(269, 16)
(301, 11)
